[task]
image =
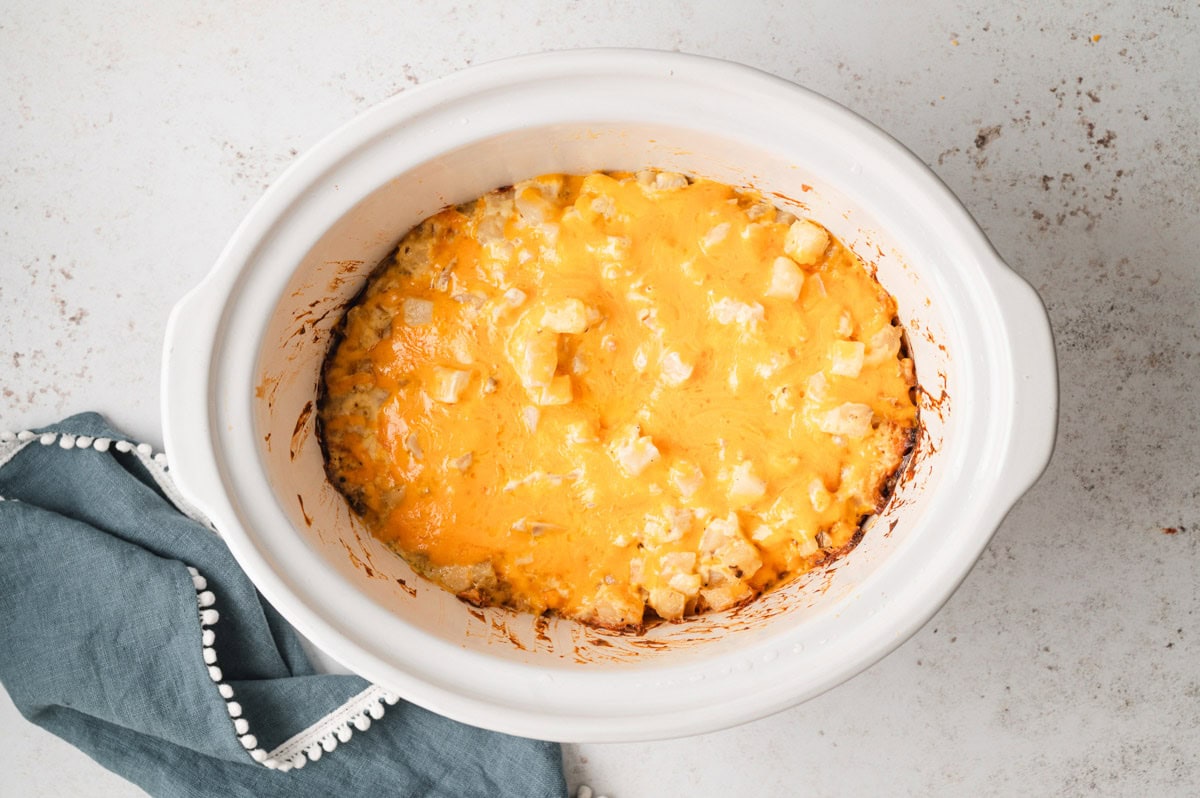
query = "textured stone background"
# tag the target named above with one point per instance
(134, 137)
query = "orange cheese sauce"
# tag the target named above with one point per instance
(615, 396)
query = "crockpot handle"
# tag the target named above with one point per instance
(187, 412)
(1034, 380)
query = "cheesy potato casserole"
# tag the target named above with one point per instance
(617, 396)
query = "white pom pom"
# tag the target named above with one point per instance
(199, 582)
(241, 725)
(144, 449)
(25, 435)
(206, 599)
(391, 698)
(102, 444)
(161, 458)
(249, 741)
(313, 753)
(209, 617)
(210, 656)
(344, 734)
(259, 755)
(584, 791)
(67, 441)
(214, 673)
(235, 709)
(225, 690)
(208, 637)
(284, 768)
(47, 438)
(83, 441)
(362, 722)
(298, 761)
(376, 711)
(193, 571)
(329, 743)
(271, 763)
(123, 446)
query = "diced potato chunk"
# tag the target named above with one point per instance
(531, 205)
(819, 496)
(714, 236)
(668, 528)
(805, 544)
(413, 447)
(677, 562)
(463, 578)
(817, 386)
(566, 316)
(687, 478)
(853, 420)
(744, 486)
(724, 596)
(884, 345)
(661, 181)
(786, 280)
(720, 531)
(604, 205)
(417, 311)
(687, 584)
(448, 384)
(558, 392)
(731, 311)
(669, 604)
(848, 358)
(637, 568)
(634, 453)
(762, 533)
(806, 242)
(616, 608)
(674, 370)
(739, 557)
(536, 359)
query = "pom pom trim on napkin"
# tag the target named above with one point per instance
(310, 744)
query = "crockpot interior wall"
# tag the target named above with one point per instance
(335, 269)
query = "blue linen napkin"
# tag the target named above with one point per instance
(128, 629)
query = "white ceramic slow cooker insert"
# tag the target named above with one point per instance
(244, 351)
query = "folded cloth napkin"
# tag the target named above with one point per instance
(128, 629)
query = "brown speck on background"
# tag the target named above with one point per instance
(985, 136)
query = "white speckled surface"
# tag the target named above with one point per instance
(134, 137)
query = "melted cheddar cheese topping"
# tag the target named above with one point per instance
(616, 396)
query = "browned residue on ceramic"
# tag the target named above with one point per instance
(651, 644)
(363, 547)
(540, 625)
(300, 432)
(501, 629)
(793, 203)
(412, 591)
(307, 517)
(358, 563)
(266, 390)
(347, 270)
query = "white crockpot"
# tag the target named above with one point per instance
(245, 347)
